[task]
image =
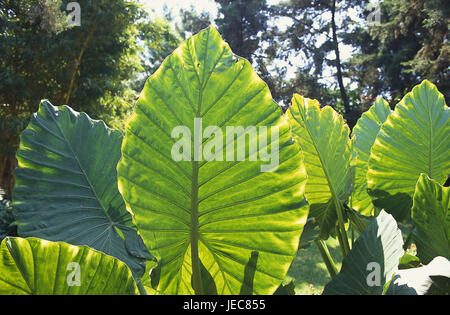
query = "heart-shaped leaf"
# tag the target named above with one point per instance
(413, 140)
(203, 197)
(66, 185)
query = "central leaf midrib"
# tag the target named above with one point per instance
(82, 170)
(195, 258)
(324, 167)
(430, 146)
(335, 199)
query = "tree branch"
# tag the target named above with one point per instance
(78, 61)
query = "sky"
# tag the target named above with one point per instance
(175, 5)
(156, 7)
(204, 5)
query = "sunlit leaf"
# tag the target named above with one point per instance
(327, 151)
(38, 267)
(413, 140)
(195, 211)
(365, 133)
(431, 216)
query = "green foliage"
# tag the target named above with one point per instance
(39, 267)
(211, 216)
(372, 261)
(413, 140)
(286, 289)
(408, 261)
(327, 151)
(419, 124)
(409, 45)
(431, 216)
(66, 185)
(240, 22)
(39, 62)
(192, 22)
(7, 220)
(160, 40)
(89, 67)
(364, 135)
(234, 225)
(313, 34)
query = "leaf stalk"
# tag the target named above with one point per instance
(326, 256)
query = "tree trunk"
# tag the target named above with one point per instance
(344, 96)
(78, 61)
(2, 170)
(10, 186)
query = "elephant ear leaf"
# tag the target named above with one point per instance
(413, 140)
(204, 212)
(66, 185)
(373, 260)
(431, 216)
(365, 133)
(39, 267)
(327, 151)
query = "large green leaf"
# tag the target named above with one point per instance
(372, 261)
(327, 151)
(38, 267)
(431, 216)
(413, 140)
(365, 133)
(66, 185)
(197, 215)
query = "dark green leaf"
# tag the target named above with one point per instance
(372, 261)
(66, 185)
